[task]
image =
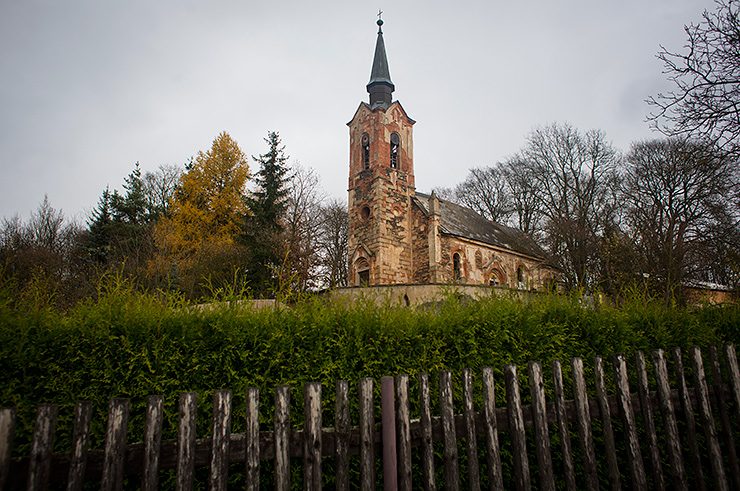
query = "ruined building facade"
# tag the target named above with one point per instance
(399, 236)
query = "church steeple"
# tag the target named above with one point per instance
(380, 86)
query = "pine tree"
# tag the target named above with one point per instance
(98, 242)
(264, 225)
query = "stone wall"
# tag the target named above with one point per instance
(481, 263)
(415, 295)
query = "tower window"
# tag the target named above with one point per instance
(456, 267)
(365, 151)
(395, 145)
(365, 212)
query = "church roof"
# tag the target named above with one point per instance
(463, 222)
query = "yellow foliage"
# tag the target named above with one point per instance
(207, 209)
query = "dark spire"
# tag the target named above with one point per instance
(380, 86)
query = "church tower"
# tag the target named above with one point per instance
(381, 183)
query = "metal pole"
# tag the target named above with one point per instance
(388, 412)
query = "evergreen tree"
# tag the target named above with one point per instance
(264, 225)
(98, 242)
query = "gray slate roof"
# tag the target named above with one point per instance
(464, 222)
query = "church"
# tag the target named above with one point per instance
(398, 236)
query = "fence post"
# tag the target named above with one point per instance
(220, 440)
(427, 449)
(624, 397)
(186, 441)
(516, 429)
(252, 437)
(734, 375)
(562, 421)
(449, 438)
(367, 436)
(115, 445)
(404, 432)
(341, 435)
(282, 438)
(43, 441)
(724, 418)
(705, 410)
(312, 437)
(669, 421)
(541, 431)
(489, 416)
(152, 441)
(471, 435)
(606, 419)
(7, 430)
(80, 434)
(583, 417)
(688, 412)
(646, 405)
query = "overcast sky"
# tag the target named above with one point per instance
(88, 88)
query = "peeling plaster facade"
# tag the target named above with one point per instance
(397, 236)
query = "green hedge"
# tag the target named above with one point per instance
(130, 344)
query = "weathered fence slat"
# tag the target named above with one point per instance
(388, 433)
(673, 441)
(470, 433)
(115, 445)
(646, 405)
(562, 421)
(427, 450)
(188, 412)
(7, 431)
(152, 441)
(541, 430)
(705, 411)
(367, 433)
(491, 430)
(516, 429)
(220, 440)
(404, 432)
(583, 417)
(341, 435)
(724, 418)
(624, 398)
(41, 447)
(282, 438)
(80, 436)
(606, 420)
(689, 421)
(734, 375)
(312, 437)
(252, 437)
(446, 409)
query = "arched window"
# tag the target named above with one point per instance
(456, 267)
(365, 151)
(395, 146)
(362, 267)
(520, 277)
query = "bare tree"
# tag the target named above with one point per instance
(484, 191)
(333, 244)
(301, 230)
(571, 174)
(705, 102)
(159, 188)
(677, 208)
(525, 206)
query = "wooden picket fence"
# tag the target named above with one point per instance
(405, 447)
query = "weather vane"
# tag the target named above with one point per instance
(380, 12)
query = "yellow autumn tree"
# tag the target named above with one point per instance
(196, 242)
